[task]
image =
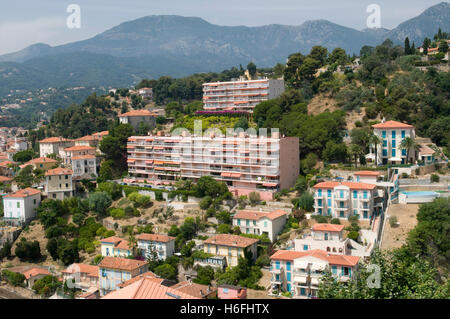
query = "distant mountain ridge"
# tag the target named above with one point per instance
(173, 45)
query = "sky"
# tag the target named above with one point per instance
(26, 22)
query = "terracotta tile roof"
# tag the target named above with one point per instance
(147, 288)
(138, 113)
(40, 160)
(290, 255)
(117, 241)
(147, 274)
(155, 237)
(5, 179)
(231, 240)
(193, 289)
(425, 150)
(367, 173)
(79, 148)
(392, 124)
(351, 185)
(88, 138)
(83, 157)
(59, 171)
(55, 140)
(22, 193)
(90, 270)
(35, 271)
(6, 163)
(256, 215)
(328, 227)
(121, 263)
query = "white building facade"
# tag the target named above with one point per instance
(259, 223)
(21, 206)
(163, 246)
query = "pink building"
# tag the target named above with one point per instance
(245, 163)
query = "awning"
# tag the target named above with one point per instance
(149, 139)
(300, 279)
(225, 174)
(160, 168)
(395, 159)
(235, 175)
(131, 161)
(158, 148)
(317, 266)
(159, 162)
(149, 162)
(300, 264)
(148, 147)
(270, 184)
(130, 146)
(314, 281)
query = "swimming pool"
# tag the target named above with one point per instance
(419, 193)
(417, 197)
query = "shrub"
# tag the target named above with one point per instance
(159, 196)
(434, 178)
(353, 235)
(393, 221)
(117, 213)
(254, 198)
(335, 221)
(14, 278)
(205, 202)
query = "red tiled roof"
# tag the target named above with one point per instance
(79, 148)
(392, 124)
(83, 157)
(22, 193)
(231, 240)
(256, 215)
(425, 150)
(35, 271)
(54, 140)
(138, 113)
(5, 163)
(351, 185)
(147, 274)
(155, 237)
(290, 255)
(193, 289)
(367, 173)
(90, 270)
(59, 171)
(147, 288)
(117, 241)
(328, 227)
(5, 179)
(40, 160)
(121, 263)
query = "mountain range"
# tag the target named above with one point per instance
(177, 46)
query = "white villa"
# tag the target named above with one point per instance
(21, 206)
(162, 245)
(259, 222)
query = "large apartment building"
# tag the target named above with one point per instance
(392, 133)
(241, 95)
(245, 163)
(344, 199)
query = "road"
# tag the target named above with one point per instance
(5, 294)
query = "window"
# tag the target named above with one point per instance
(403, 134)
(239, 222)
(319, 202)
(288, 276)
(384, 143)
(319, 192)
(305, 247)
(265, 223)
(288, 265)
(18, 204)
(403, 152)
(225, 290)
(355, 194)
(247, 222)
(393, 134)
(34, 201)
(329, 211)
(394, 143)
(320, 211)
(384, 153)
(277, 264)
(334, 270)
(365, 194)
(329, 192)
(103, 272)
(254, 223)
(329, 202)
(229, 251)
(393, 152)
(341, 194)
(383, 134)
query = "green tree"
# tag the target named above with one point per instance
(99, 202)
(251, 67)
(166, 271)
(408, 144)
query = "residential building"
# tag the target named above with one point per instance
(53, 145)
(231, 247)
(6, 168)
(326, 237)
(148, 288)
(20, 207)
(43, 163)
(84, 277)
(163, 246)
(196, 290)
(245, 163)
(69, 153)
(241, 95)
(116, 247)
(84, 166)
(58, 183)
(31, 273)
(391, 134)
(136, 117)
(369, 177)
(426, 155)
(259, 222)
(232, 292)
(5, 180)
(115, 270)
(300, 272)
(344, 199)
(146, 93)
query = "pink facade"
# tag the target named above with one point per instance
(231, 292)
(246, 164)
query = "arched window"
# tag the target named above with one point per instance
(328, 248)
(334, 249)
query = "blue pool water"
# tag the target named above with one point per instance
(420, 193)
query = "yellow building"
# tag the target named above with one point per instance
(231, 247)
(59, 183)
(43, 163)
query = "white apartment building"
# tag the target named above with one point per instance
(20, 207)
(53, 145)
(344, 199)
(259, 223)
(264, 164)
(300, 272)
(392, 133)
(241, 95)
(162, 245)
(69, 153)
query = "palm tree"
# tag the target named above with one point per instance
(407, 144)
(356, 151)
(375, 140)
